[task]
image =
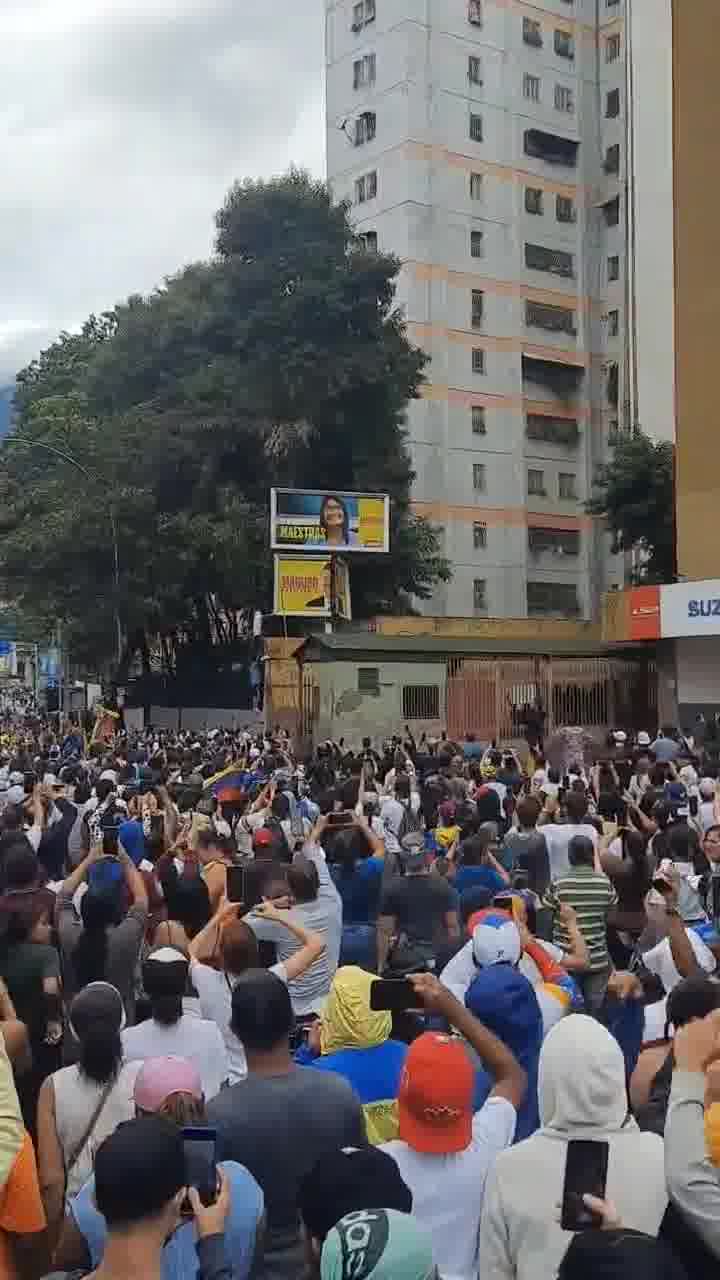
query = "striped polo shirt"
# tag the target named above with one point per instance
(592, 895)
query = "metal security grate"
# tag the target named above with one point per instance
(421, 701)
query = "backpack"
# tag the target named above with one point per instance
(409, 823)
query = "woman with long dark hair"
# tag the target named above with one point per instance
(101, 941)
(335, 522)
(79, 1106)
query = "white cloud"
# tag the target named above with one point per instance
(122, 124)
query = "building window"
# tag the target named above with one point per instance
(476, 244)
(479, 593)
(611, 164)
(474, 70)
(613, 267)
(369, 241)
(532, 33)
(564, 99)
(540, 315)
(368, 680)
(552, 597)
(564, 44)
(364, 71)
(551, 148)
(556, 261)
(567, 488)
(479, 535)
(475, 12)
(478, 299)
(613, 324)
(564, 542)
(476, 129)
(612, 47)
(479, 477)
(362, 14)
(478, 360)
(612, 386)
(536, 484)
(565, 209)
(612, 212)
(365, 128)
(612, 104)
(611, 4)
(366, 187)
(533, 200)
(562, 431)
(478, 420)
(421, 701)
(476, 186)
(531, 87)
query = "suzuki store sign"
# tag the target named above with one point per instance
(690, 609)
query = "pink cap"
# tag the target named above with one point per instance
(159, 1078)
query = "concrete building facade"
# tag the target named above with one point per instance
(485, 143)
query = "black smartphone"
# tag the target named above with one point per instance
(200, 1146)
(29, 781)
(235, 878)
(342, 819)
(157, 824)
(110, 842)
(694, 805)
(586, 1166)
(393, 994)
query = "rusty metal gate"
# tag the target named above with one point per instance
(491, 696)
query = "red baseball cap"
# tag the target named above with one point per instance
(262, 838)
(435, 1101)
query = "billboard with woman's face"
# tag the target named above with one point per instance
(315, 520)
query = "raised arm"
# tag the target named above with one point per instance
(312, 944)
(133, 880)
(510, 1079)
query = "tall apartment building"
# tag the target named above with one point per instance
(484, 143)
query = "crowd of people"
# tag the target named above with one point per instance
(390, 1011)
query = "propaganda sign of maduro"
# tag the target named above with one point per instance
(303, 587)
(315, 520)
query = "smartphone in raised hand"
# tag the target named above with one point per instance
(586, 1167)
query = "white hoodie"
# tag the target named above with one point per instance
(581, 1091)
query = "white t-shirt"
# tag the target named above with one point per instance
(706, 815)
(448, 1191)
(214, 990)
(193, 1038)
(557, 838)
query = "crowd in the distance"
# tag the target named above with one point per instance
(394, 1011)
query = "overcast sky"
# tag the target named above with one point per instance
(122, 123)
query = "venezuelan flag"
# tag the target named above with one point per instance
(229, 781)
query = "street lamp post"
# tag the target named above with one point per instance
(94, 479)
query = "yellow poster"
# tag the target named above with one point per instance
(304, 587)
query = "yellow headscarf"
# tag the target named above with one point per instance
(348, 1022)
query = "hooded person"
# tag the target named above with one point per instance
(582, 1095)
(505, 1002)
(377, 1244)
(355, 1042)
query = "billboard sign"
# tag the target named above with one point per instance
(303, 587)
(690, 608)
(645, 613)
(318, 520)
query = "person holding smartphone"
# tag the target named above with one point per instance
(582, 1096)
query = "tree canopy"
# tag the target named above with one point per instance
(635, 492)
(280, 361)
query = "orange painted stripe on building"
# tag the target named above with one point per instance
(517, 517)
(503, 288)
(460, 338)
(506, 173)
(457, 395)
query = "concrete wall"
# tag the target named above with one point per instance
(345, 712)
(697, 662)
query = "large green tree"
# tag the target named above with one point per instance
(281, 361)
(635, 492)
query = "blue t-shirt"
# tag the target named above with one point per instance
(179, 1259)
(360, 892)
(486, 877)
